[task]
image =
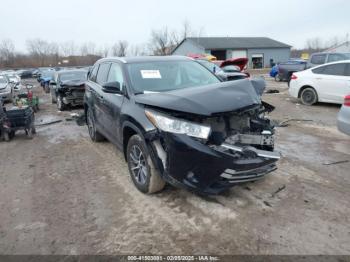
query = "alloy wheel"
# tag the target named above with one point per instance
(138, 165)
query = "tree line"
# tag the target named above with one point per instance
(40, 53)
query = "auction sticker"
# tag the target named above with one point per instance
(151, 74)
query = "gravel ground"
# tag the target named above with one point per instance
(62, 194)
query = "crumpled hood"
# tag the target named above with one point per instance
(240, 62)
(73, 83)
(207, 100)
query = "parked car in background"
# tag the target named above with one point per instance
(228, 75)
(6, 89)
(323, 58)
(176, 122)
(326, 83)
(42, 71)
(25, 73)
(286, 69)
(343, 119)
(45, 79)
(14, 78)
(67, 88)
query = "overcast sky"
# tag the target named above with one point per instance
(107, 21)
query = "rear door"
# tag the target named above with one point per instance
(101, 79)
(94, 91)
(332, 82)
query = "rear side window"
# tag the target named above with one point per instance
(102, 73)
(93, 73)
(347, 70)
(318, 59)
(336, 57)
(336, 70)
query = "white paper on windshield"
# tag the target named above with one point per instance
(151, 74)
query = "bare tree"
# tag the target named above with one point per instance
(88, 48)
(7, 52)
(120, 48)
(39, 50)
(161, 42)
(68, 48)
(314, 44)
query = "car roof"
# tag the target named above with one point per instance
(331, 63)
(140, 59)
(70, 71)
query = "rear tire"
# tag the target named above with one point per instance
(308, 96)
(94, 134)
(144, 174)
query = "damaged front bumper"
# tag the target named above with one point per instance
(187, 162)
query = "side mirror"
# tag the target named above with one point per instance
(112, 88)
(53, 83)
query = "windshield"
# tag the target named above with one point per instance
(168, 75)
(73, 76)
(209, 65)
(3, 80)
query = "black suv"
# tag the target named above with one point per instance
(176, 122)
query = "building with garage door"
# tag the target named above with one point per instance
(260, 51)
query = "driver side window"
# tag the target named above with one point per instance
(116, 74)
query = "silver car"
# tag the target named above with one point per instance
(6, 91)
(343, 120)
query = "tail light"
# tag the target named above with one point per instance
(293, 77)
(347, 100)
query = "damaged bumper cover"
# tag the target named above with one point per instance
(187, 162)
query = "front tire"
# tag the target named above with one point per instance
(60, 105)
(53, 98)
(47, 88)
(144, 174)
(308, 96)
(277, 78)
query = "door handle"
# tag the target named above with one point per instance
(318, 78)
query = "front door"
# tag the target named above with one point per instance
(113, 104)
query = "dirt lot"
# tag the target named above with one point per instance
(62, 194)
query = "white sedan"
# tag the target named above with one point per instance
(326, 83)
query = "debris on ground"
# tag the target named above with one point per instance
(335, 163)
(267, 203)
(278, 190)
(80, 119)
(247, 188)
(284, 123)
(49, 123)
(272, 91)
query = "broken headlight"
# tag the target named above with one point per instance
(173, 125)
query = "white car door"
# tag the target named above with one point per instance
(332, 83)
